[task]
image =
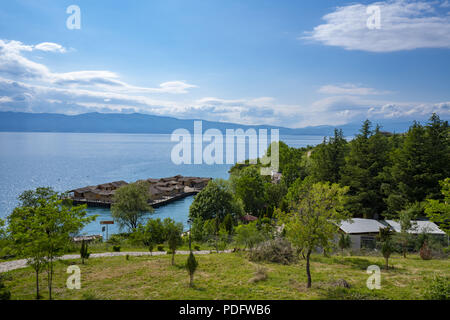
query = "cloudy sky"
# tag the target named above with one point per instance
(287, 63)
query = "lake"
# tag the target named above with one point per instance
(67, 161)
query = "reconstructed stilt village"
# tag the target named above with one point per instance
(161, 191)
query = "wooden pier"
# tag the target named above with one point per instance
(155, 203)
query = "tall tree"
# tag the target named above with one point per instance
(130, 204)
(249, 187)
(41, 229)
(439, 211)
(173, 231)
(363, 170)
(315, 221)
(216, 200)
(328, 158)
(419, 164)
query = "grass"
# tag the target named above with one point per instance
(228, 276)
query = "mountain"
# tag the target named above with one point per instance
(143, 123)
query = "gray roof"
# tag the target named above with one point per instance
(418, 227)
(359, 225)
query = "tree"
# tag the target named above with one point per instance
(228, 223)
(84, 253)
(406, 225)
(363, 172)
(387, 246)
(274, 194)
(249, 187)
(248, 235)
(344, 242)
(215, 201)
(130, 204)
(4, 243)
(152, 233)
(316, 219)
(439, 211)
(173, 231)
(419, 164)
(191, 266)
(41, 229)
(328, 158)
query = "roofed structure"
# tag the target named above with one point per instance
(418, 227)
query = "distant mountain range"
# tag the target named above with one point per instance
(143, 123)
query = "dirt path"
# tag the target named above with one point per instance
(22, 263)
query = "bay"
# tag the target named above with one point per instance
(66, 161)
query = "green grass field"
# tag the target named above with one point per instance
(227, 276)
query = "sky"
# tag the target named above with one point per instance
(284, 63)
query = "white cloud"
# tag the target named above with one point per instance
(31, 87)
(405, 25)
(349, 89)
(14, 64)
(50, 47)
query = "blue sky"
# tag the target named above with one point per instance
(287, 63)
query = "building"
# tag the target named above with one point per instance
(418, 227)
(248, 218)
(362, 232)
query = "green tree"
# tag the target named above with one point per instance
(42, 228)
(215, 201)
(439, 211)
(249, 187)
(315, 221)
(274, 194)
(387, 245)
(173, 231)
(363, 172)
(191, 266)
(419, 164)
(84, 253)
(405, 218)
(130, 204)
(228, 223)
(344, 242)
(328, 158)
(248, 235)
(153, 233)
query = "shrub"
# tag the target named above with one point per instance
(160, 248)
(116, 248)
(84, 254)
(197, 248)
(191, 266)
(425, 252)
(438, 288)
(278, 250)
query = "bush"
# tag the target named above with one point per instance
(425, 252)
(197, 248)
(438, 288)
(115, 239)
(160, 248)
(116, 248)
(278, 250)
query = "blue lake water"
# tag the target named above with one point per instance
(66, 161)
